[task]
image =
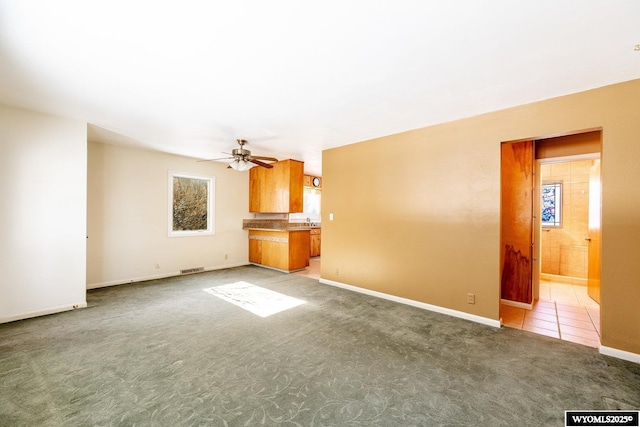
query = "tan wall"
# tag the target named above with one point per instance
(416, 214)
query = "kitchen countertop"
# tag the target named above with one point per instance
(294, 228)
(277, 225)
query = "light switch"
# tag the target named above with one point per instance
(331, 217)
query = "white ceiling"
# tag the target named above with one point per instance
(296, 77)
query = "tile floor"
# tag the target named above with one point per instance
(313, 271)
(564, 311)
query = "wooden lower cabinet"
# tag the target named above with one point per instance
(255, 251)
(314, 244)
(282, 250)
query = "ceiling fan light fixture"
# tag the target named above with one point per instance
(240, 165)
(235, 164)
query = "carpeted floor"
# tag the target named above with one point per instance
(166, 353)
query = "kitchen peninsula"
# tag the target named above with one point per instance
(278, 244)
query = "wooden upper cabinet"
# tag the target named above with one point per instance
(312, 181)
(276, 190)
(256, 184)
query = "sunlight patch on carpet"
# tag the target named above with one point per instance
(260, 301)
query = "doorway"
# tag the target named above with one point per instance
(311, 215)
(566, 212)
(565, 245)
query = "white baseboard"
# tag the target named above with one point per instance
(418, 304)
(517, 304)
(125, 281)
(620, 354)
(43, 312)
(607, 351)
(158, 276)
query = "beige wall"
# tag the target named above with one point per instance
(127, 218)
(43, 199)
(416, 214)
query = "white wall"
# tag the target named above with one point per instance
(128, 217)
(43, 167)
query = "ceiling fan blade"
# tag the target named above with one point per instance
(270, 159)
(242, 155)
(220, 158)
(259, 163)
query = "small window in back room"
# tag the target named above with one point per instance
(191, 204)
(551, 204)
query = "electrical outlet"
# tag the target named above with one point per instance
(226, 256)
(337, 271)
(471, 298)
(157, 265)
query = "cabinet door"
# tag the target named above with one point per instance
(298, 249)
(278, 187)
(296, 186)
(277, 190)
(313, 246)
(314, 249)
(256, 183)
(275, 254)
(255, 251)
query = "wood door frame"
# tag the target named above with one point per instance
(594, 254)
(517, 162)
(536, 250)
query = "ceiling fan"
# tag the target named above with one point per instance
(242, 158)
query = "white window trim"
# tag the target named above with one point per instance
(210, 208)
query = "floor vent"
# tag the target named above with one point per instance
(192, 270)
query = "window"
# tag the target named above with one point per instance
(191, 204)
(551, 204)
(311, 203)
